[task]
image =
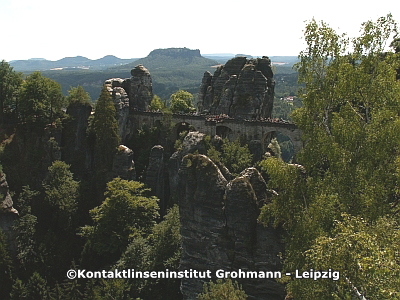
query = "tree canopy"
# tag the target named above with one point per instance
(41, 99)
(222, 290)
(181, 101)
(10, 82)
(105, 127)
(347, 189)
(125, 214)
(78, 95)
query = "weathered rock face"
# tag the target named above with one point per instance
(130, 94)
(242, 88)
(75, 150)
(5, 197)
(123, 165)
(115, 87)
(140, 89)
(194, 141)
(155, 175)
(202, 187)
(7, 214)
(219, 227)
(255, 149)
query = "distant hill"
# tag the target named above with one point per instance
(78, 62)
(285, 59)
(172, 69)
(172, 58)
(221, 58)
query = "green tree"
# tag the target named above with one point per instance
(181, 101)
(166, 241)
(156, 104)
(222, 290)
(350, 122)
(19, 291)
(36, 287)
(24, 201)
(41, 99)
(71, 290)
(10, 82)
(233, 155)
(161, 250)
(125, 214)
(78, 95)
(105, 127)
(5, 265)
(26, 245)
(365, 252)
(61, 192)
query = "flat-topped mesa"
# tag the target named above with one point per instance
(242, 88)
(176, 52)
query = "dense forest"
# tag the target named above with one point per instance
(336, 203)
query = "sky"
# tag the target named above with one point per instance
(131, 29)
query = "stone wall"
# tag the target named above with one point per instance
(250, 130)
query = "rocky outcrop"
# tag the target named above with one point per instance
(116, 87)
(8, 214)
(5, 197)
(220, 230)
(255, 149)
(194, 141)
(205, 93)
(203, 223)
(123, 164)
(134, 93)
(155, 175)
(242, 88)
(140, 88)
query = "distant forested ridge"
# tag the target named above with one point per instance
(171, 69)
(78, 62)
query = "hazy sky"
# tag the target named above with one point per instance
(131, 29)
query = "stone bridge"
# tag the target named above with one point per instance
(224, 127)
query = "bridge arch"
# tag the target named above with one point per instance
(285, 143)
(224, 132)
(181, 127)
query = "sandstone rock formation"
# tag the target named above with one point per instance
(140, 88)
(203, 223)
(134, 93)
(155, 175)
(242, 88)
(8, 214)
(123, 164)
(219, 227)
(194, 141)
(5, 197)
(116, 88)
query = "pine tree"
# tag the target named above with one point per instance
(106, 130)
(19, 290)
